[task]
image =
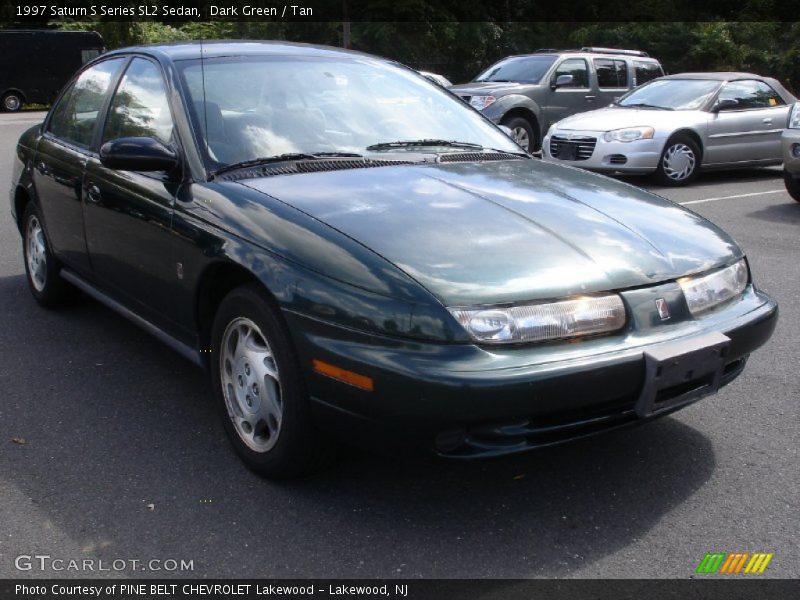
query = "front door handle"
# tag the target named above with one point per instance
(590, 98)
(93, 194)
(768, 120)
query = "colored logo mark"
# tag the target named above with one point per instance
(734, 562)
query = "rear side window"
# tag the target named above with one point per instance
(611, 73)
(578, 68)
(140, 107)
(750, 94)
(75, 116)
(646, 71)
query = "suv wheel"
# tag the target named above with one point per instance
(792, 185)
(523, 133)
(259, 389)
(680, 161)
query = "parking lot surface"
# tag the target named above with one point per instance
(124, 456)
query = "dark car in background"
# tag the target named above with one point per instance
(530, 92)
(35, 64)
(350, 251)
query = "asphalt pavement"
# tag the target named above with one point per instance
(124, 458)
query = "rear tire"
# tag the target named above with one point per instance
(259, 389)
(680, 161)
(524, 133)
(41, 267)
(792, 185)
(12, 102)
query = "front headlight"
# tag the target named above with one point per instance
(481, 102)
(704, 292)
(586, 315)
(629, 134)
(794, 116)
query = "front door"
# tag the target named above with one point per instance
(575, 97)
(750, 130)
(128, 214)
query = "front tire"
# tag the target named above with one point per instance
(41, 267)
(680, 161)
(259, 389)
(792, 185)
(523, 133)
(11, 102)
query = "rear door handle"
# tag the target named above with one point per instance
(590, 98)
(768, 120)
(93, 194)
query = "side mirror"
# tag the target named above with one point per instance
(726, 104)
(507, 131)
(138, 154)
(563, 80)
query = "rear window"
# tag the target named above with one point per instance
(611, 73)
(646, 71)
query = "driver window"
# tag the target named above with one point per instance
(140, 107)
(578, 68)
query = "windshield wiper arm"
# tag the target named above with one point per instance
(265, 160)
(645, 105)
(413, 143)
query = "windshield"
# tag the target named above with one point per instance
(246, 108)
(675, 94)
(525, 69)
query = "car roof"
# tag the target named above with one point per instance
(217, 48)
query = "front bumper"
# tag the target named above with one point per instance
(790, 145)
(467, 401)
(641, 156)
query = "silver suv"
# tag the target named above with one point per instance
(530, 92)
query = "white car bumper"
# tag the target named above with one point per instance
(594, 153)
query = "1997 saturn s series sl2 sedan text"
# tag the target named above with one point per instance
(347, 248)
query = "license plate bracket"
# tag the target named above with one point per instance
(676, 365)
(567, 151)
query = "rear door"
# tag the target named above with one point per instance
(62, 154)
(749, 131)
(612, 79)
(129, 214)
(575, 97)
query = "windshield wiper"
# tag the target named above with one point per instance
(414, 143)
(265, 160)
(644, 105)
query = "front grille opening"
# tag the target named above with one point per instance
(617, 159)
(684, 388)
(734, 366)
(563, 147)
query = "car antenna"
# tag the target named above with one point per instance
(203, 85)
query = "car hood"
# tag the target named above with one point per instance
(508, 231)
(606, 119)
(477, 88)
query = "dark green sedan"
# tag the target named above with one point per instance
(351, 252)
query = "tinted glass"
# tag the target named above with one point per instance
(750, 94)
(611, 73)
(75, 116)
(646, 71)
(261, 106)
(527, 69)
(140, 107)
(578, 68)
(675, 94)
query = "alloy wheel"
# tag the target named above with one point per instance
(251, 385)
(521, 137)
(36, 254)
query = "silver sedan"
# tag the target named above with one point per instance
(673, 126)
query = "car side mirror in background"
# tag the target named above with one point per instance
(138, 154)
(507, 131)
(563, 80)
(726, 104)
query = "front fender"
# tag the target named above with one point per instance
(506, 103)
(22, 167)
